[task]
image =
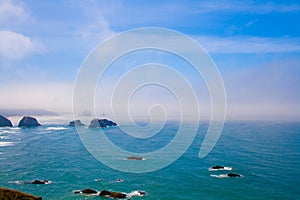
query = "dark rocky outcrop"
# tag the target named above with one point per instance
(217, 167)
(40, 182)
(116, 195)
(5, 122)
(76, 123)
(8, 194)
(233, 175)
(89, 191)
(97, 123)
(28, 122)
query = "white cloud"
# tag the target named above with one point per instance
(248, 44)
(16, 45)
(10, 11)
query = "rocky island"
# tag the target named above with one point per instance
(5, 122)
(76, 123)
(101, 123)
(28, 122)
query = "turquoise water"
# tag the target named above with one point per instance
(267, 154)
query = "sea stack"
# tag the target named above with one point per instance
(28, 122)
(101, 123)
(76, 123)
(5, 122)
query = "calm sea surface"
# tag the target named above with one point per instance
(267, 154)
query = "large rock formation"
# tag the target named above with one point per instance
(28, 122)
(76, 123)
(97, 123)
(5, 122)
(116, 195)
(16, 195)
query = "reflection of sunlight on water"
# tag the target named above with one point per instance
(58, 128)
(4, 144)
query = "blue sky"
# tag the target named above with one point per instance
(255, 45)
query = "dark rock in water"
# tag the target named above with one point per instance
(5, 122)
(217, 167)
(142, 193)
(40, 182)
(104, 193)
(76, 123)
(89, 191)
(134, 158)
(233, 175)
(116, 195)
(28, 122)
(9, 194)
(97, 123)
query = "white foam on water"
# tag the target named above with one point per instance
(80, 192)
(224, 176)
(16, 182)
(136, 193)
(9, 130)
(220, 176)
(48, 182)
(55, 128)
(5, 144)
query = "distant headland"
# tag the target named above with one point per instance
(26, 112)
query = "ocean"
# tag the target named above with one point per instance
(266, 154)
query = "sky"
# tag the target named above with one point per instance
(254, 44)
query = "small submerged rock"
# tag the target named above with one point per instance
(28, 122)
(76, 123)
(5, 122)
(40, 182)
(101, 123)
(134, 158)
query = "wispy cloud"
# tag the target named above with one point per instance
(16, 45)
(249, 44)
(10, 11)
(97, 28)
(242, 6)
